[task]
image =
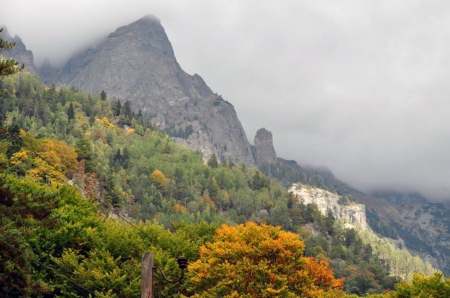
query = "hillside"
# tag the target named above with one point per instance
(123, 161)
(133, 173)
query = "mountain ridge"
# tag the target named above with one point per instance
(187, 109)
(137, 63)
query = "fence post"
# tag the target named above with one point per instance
(147, 275)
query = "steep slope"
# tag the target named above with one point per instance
(422, 225)
(350, 212)
(353, 215)
(136, 63)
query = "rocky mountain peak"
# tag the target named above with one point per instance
(137, 63)
(19, 52)
(263, 149)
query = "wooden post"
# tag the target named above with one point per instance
(147, 275)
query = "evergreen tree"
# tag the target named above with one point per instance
(103, 95)
(71, 112)
(212, 161)
(83, 148)
(125, 158)
(117, 108)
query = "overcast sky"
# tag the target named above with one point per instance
(361, 87)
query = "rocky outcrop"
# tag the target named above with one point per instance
(263, 149)
(137, 63)
(19, 52)
(352, 213)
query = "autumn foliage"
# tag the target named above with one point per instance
(159, 179)
(259, 261)
(45, 160)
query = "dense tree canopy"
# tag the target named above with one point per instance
(69, 241)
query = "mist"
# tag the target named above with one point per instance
(360, 87)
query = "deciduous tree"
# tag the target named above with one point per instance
(259, 261)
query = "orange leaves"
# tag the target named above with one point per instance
(177, 208)
(259, 261)
(206, 199)
(322, 275)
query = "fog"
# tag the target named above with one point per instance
(360, 87)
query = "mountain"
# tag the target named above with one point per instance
(353, 215)
(19, 52)
(137, 63)
(422, 225)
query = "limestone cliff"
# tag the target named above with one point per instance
(19, 52)
(263, 149)
(352, 213)
(137, 63)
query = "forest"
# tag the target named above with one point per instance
(88, 186)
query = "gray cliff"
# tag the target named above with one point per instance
(137, 63)
(263, 149)
(19, 52)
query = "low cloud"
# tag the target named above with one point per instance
(359, 87)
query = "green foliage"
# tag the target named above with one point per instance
(346, 252)
(380, 227)
(53, 241)
(147, 178)
(71, 112)
(212, 161)
(288, 172)
(435, 286)
(25, 209)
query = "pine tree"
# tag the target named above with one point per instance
(103, 95)
(212, 161)
(71, 112)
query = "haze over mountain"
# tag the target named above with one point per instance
(357, 87)
(137, 63)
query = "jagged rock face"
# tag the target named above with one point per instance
(352, 213)
(19, 52)
(263, 149)
(137, 63)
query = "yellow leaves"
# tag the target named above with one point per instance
(105, 122)
(45, 160)
(19, 157)
(159, 179)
